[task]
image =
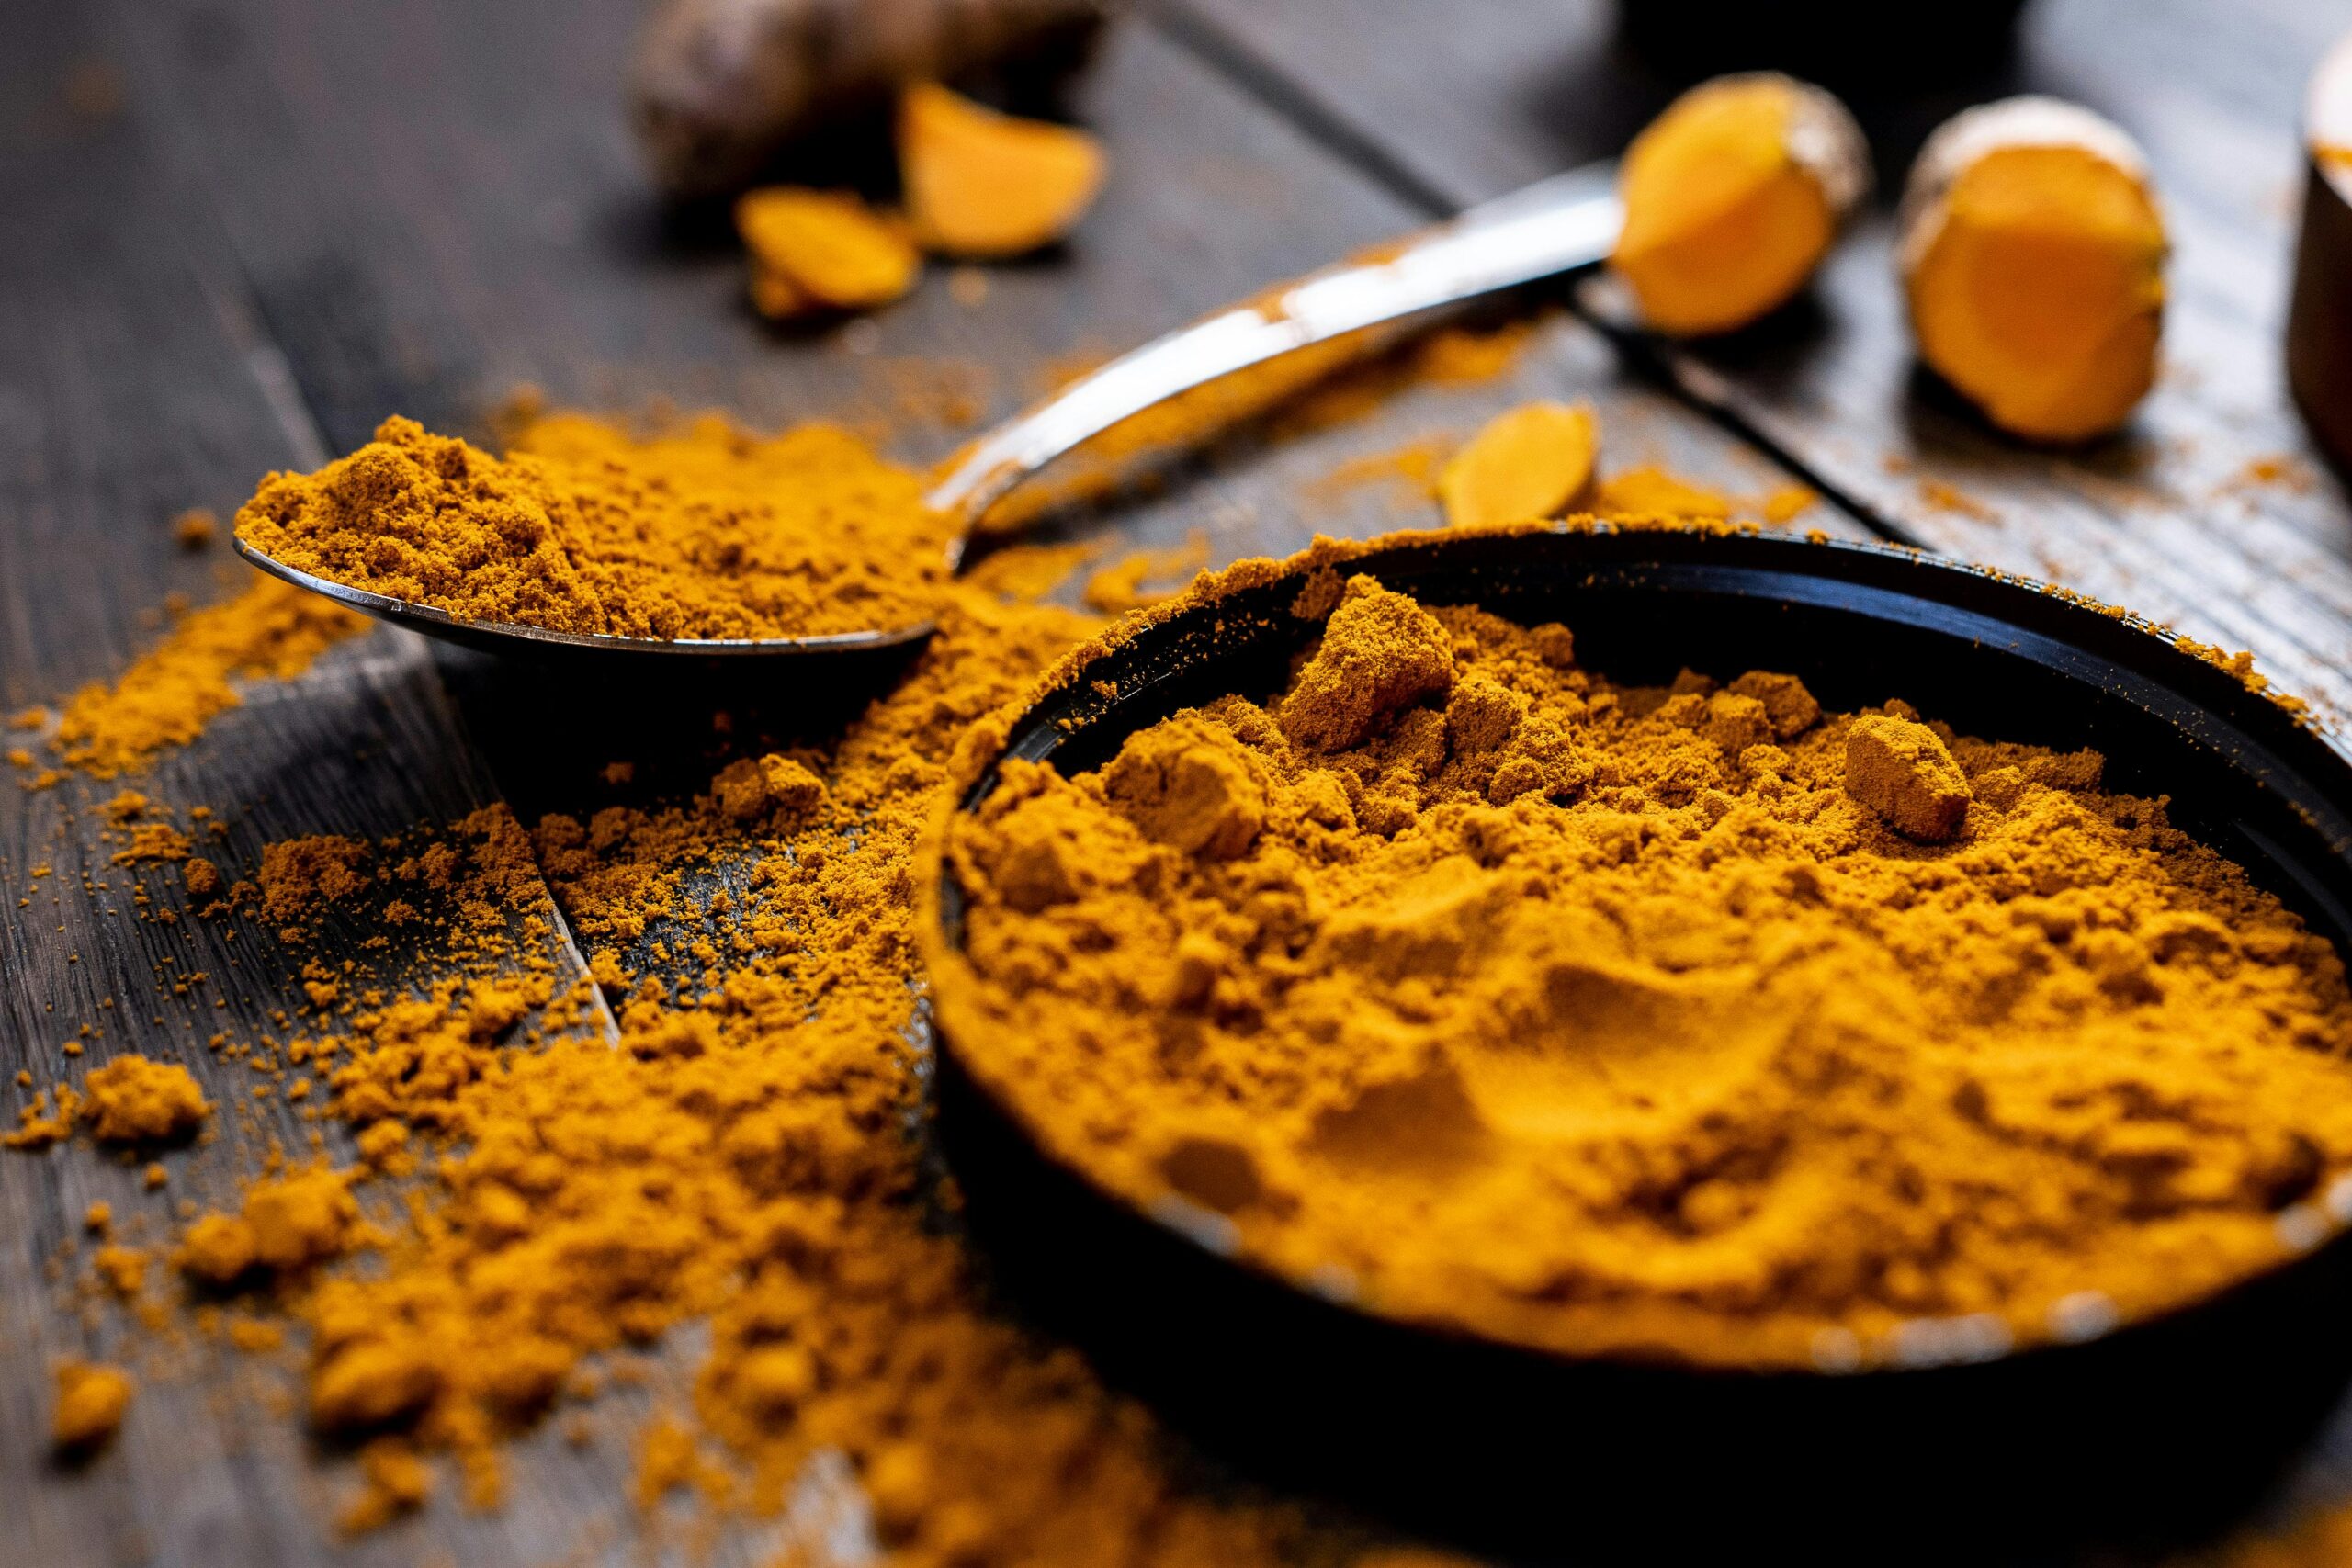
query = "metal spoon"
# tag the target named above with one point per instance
(1557, 225)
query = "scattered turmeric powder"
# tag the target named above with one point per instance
(1534, 461)
(984, 183)
(91, 1400)
(194, 528)
(818, 250)
(1117, 587)
(165, 698)
(1731, 198)
(2033, 250)
(699, 532)
(1692, 1023)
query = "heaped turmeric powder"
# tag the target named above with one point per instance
(1731, 198)
(2033, 249)
(699, 532)
(1692, 1023)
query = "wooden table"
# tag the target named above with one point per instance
(240, 231)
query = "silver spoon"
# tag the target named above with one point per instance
(1559, 225)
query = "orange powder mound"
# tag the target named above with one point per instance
(1691, 1023)
(739, 1158)
(272, 630)
(134, 1101)
(92, 1398)
(700, 532)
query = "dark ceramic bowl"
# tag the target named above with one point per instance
(2154, 1432)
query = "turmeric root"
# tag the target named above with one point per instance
(1733, 197)
(1530, 462)
(822, 250)
(2033, 250)
(718, 85)
(984, 183)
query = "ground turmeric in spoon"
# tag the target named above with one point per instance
(702, 530)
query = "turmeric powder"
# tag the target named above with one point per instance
(701, 532)
(1733, 197)
(1691, 1023)
(165, 699)
(91, 1400)
(2032, 253)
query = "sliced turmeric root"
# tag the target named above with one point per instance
(982, 183)
(1731, 198)
(2033, 255)
(822, 250)
(1531, 462)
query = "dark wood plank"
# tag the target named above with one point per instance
(134, 383)
(1481, 96)
(416, 206)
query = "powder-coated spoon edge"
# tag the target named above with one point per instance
(1559, 225)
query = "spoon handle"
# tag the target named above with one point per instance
(1556, 225)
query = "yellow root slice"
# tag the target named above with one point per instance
(984, 183)
(1530, 462)
(822, 250)
(2033, 258)
(1731, 198)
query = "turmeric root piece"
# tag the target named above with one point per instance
(717, 86)
(822, 250)
(2033, 251)
(1902, 771)
(1733, 197)
(982, 183)
(1530, 462)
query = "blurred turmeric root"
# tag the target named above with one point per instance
(980, 184)
(718, 85)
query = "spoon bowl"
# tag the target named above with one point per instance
(1555, 226)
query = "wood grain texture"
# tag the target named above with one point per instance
(1479, 97)
(133, 383)
(411, 208)
(380, 207)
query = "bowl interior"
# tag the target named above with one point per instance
(2162, 1428)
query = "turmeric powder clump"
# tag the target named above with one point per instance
(2033, 252)
(134, 1101)
(1694, 1022)
(1733, 197)
(699, 532)
(91, 1400)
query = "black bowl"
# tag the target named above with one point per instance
(2156, 1432)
